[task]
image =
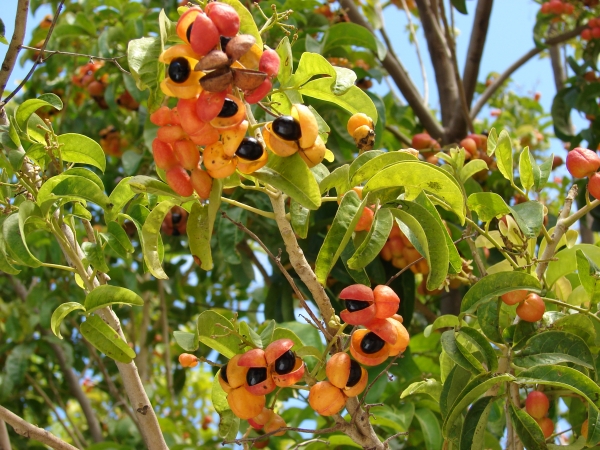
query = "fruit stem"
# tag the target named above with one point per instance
(587, 312)
(260, 212)
(494, 243)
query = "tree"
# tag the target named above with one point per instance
(205, 213)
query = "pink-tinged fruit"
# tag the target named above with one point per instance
(582, 162)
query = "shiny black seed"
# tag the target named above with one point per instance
(285, 363)
(175, 218)
(355, 374)
(224, 42)
(371, 343)
(224, 374)
(256, 375)
(249, 149)
(288, 128)
(356, 305)
(188, 32)
(179, 70)
(230, 108)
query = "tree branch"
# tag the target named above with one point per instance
(32, 432)
(479, 32)
(400, 77)
(114, 60)
(413, 35)
(492, 88)
(4, 439)
(164, 319)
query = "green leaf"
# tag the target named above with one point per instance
(187, 341)
(362, 159)
(504, 155)
(249, 334)
(148, 185)
(229, 423)
(555, 347)
(358, 275)
(370, 247)
(375, 164)
(147, 71)
(107, 295)
(28, 107)
(471, 168)
(354, 100)
(151, 234)
(526, 169)
(578, 324)
(3, 33)
(430, 426)
(527, 428)
(94, 253)
(417, 177)
(337, 179)
(434, 246)
(460, 5)
(13, 230)
(566, 261)
(588, 272)
(309, 66)
(487, 205)
(430, 386)
(488, 316)
(472, 391)
(83, 188)
(284, 50)
(17, 363)
(483, 345)
(117, 238)
(347, 33)
(200, 226)
(561, 113)
(455, 382)
(60, 313)
(292, 176)
(214, 330)
(530, 217)
(106, 340)
(229, 235)
(458, 353)
(545, 169)
(80, 149)
(339, 234)
(472, 436)
(445, 321)
(247, 23)
(492, 142)
(300, 218)
(495, 285)
(118, 198)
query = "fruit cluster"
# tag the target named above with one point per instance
(581, 163)
(557, 7)
(361, 128)
(537, 405)
(399, 250)
(111, 141)
(530, 307)
(85, 77)
(592, 31)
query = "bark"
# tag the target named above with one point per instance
(4, 439)
(479, 32)
(17, 40)
(30, 431)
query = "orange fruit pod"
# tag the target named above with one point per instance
(326, 399)
(346, 374)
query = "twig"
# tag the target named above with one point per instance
(164, 319)
(482, 100)
(62, 405)
(4, 438)
(142, 357)
(398, 134)
(38, 59)
(308, 442)
(271, 433)
(394, 436)
(413, 35)
(30, 431)
(379, 375)
(113, 60)
(286, 274)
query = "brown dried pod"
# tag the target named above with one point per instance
(217, 80)
(248, 80)
(239, 45)
(213, 60)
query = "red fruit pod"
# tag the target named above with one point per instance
(537, 404)
(596, 32)
(204, 35)
(546, 425)
(188, 360)
(326, 399)
(384, 328)
(366, 220)
(275, 423)
(593, 186)
(260, 420)
(179, 180)
(187, 154)
(276, 349)
(368, 348)
(586, 34)
(161, 117)
(532, 308)
(259, 93)
(210, 104)
(231, 115)
(225, 18)
(202, 183)
(244, 404)
(170, 134)
(164, 157)
(421, 141)
(386, 301)
(269, 62)
(514, 297)
(582, 162)
(360, 306)
(253, 358)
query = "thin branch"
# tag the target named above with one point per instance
(63, 406)
(114, 60)
(413, 34)
(142, 357)
(165, 332)
(271, 433)
(400, 76)
(398, 134)
(39, 58)
(4, 438)
(30, 431)
(479, 33)
(394, 436)
(492, 88)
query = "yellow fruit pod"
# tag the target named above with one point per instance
(277, 145)
(358, 120)
(232, 138)
(245, 405)
(251, 58)
(308, 125)
(326, 399)
(314, 154)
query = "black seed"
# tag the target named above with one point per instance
(355, 374)
(188, 32)
(485, 132)
(285, 363)
(224, 374)
(250, 149)
(175, 218)
(230, 108)
(256, 375)
(179, 70)
(356, 305)
(287, 128)
(371, 343)
(224, 42)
